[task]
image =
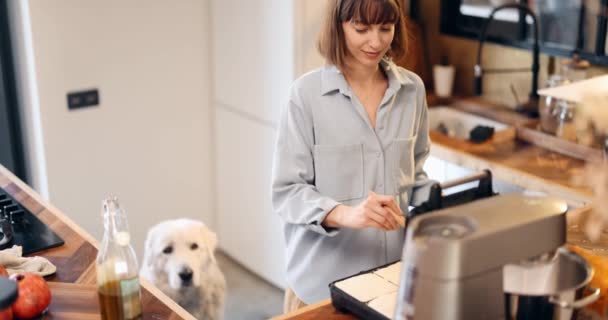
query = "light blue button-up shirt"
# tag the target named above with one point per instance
(327, 153)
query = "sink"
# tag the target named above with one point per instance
(458, 123)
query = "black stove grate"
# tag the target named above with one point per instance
(18, 226)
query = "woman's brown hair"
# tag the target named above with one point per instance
(331, 43)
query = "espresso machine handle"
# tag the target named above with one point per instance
(438, 201)
(474, 177)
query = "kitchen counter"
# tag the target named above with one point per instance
(520, 164)
(325, 310)
(514, 162)
(73, 287)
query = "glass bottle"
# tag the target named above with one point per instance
(117, 271)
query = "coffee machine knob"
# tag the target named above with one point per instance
(17, 216)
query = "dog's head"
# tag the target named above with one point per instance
(179, 251)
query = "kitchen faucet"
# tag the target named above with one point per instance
(531, 107)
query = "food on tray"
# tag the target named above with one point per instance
(391, 273)
(385, 304)
(366, 287)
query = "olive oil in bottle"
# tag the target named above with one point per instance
(117, 272)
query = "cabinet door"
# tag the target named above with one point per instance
(10, 145)
(248, 229)
(7, 157)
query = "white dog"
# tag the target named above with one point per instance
(179, 260)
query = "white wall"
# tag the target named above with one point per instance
(149, 141)
(253, 63)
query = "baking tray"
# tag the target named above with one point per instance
(347, 303)
(437, 200)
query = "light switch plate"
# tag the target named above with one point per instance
(83, 99)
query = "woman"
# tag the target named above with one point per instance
(350, 149)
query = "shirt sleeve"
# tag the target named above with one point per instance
(422, 184)
(294, 195)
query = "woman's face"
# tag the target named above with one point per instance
(367, 44)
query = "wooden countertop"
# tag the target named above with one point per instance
(74, 285)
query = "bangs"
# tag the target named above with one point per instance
(331, 40)
(369, 11)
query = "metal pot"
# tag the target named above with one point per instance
(550, 288)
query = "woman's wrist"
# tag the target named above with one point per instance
(334, 217)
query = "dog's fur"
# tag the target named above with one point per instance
(191, 246)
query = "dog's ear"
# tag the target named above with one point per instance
(210, 240)
(209, 237)
(149, 248)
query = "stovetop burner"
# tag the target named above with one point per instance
(18, 226)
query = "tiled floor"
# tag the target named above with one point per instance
(249, 297)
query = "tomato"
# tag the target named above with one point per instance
(34, 295)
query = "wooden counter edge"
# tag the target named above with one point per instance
(85, 235)
(300, 311)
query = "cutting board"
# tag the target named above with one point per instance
(70, 301)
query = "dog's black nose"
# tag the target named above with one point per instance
(186, 274)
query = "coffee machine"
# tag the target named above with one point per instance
(453, 258)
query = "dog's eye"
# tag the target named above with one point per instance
(168, 250)
(194, 246)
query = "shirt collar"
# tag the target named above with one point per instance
(332, 78)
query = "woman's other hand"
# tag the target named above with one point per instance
(377, 211)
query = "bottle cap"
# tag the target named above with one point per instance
(110, 205)
(122, 238)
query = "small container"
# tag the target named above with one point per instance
(564, 114)
(549, 116)
(8, 295)
(443, 76)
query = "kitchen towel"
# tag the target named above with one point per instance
(14, 262)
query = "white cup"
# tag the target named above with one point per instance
(444, 80)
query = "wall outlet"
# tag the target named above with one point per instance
(82, 99)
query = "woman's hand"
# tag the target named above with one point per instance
(377, 211)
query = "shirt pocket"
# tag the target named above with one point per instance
(403, 165)
(339, 171)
